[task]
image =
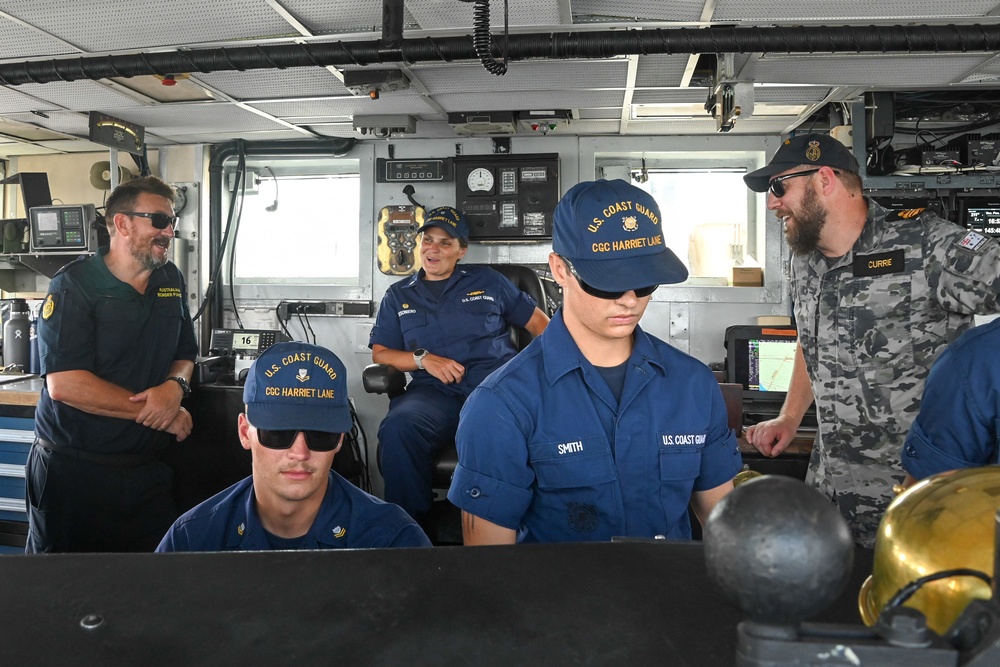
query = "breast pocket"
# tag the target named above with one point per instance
(680, 466)
(477, 319)
(117, 321)
(578, 487)
(880, 322)
(412, 325)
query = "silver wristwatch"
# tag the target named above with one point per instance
(418, 357)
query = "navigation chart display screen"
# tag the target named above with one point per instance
(769, 364)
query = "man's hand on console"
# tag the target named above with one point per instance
(773, 436)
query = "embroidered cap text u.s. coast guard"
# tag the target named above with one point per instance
(612, 232)
(450, 220)
(297, 386)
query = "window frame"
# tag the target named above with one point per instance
(362, 159)
(763, 228)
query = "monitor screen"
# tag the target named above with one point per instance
(760, 358)
(769, 364)
(982, 215)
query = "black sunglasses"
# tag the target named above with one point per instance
(317, 441)
(158, 220)
(601, 294)
(776, 184)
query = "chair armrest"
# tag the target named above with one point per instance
(383, 379)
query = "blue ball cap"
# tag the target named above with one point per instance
(297, 386)
(612, 232)
(450, 220)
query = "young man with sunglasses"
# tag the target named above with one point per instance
(117, 350)
(297, 413)
(596, 429)
(877, 295)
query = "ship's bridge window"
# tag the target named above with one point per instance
(298, 229)
(710, 217)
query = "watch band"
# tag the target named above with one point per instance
(185, 387)
(418, 358)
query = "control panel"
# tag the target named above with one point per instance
(244, 342)
(62, 228)
(507, 197)
(409, 171)
(397, 251)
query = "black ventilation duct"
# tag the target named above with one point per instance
(598, 44)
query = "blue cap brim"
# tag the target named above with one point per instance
(445, 227)
(284, 417)
(621, 275)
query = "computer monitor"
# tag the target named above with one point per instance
(760, 359)
(980, 214)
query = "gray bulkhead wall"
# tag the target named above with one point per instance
(691, 318)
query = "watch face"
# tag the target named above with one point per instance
(480, 180)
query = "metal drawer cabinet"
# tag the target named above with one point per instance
(16, 436)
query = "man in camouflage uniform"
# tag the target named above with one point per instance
(877, 296)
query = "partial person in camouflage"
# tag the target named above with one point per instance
(877, 296)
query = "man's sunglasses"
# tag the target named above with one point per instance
(777, 184)
(158, 220)
(317, 441)
(601, 294)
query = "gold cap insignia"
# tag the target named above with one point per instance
(813, 152)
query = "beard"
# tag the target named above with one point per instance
(145, 256)
(803, 237)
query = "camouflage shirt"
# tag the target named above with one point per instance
(870, 325)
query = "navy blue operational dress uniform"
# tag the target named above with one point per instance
(465, 317)
(296, 414)
(558, 445)
(94, 482)
(958, 425)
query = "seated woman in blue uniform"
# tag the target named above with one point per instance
(959, 421)
(296, 416)
(596, 429)
(448, 327)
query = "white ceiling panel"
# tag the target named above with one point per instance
(79, 95)
(198, 118)
(223, 137)
(661, 70)
(524, 76)
(273, 84)
(18, 40)
(670, 96)
(862, 70)
(13, 100)
(787, 10)
(988, 72)
(557, 99)
(109, 25)
(343, 16)
(10, 150)
(67, 122)
(599, 114)
(631, 10)
(390, 103)
(441, 14)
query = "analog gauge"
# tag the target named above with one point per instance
(180, 198)
(480, 180)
